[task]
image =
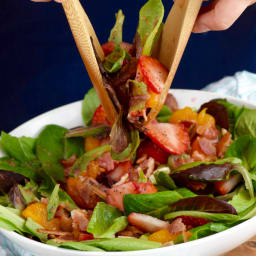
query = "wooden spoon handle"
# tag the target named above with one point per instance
(82, 31)
(175, 35)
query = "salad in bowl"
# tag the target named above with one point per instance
(137, 184)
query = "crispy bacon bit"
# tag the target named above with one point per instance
(145, 188)
(207, 146)
(147, 166)
(105, 161)
(122, 169)
(223, 144)
(80, 219)
(177, 226)
(68, 162)
(131, 231)
(93, 170)
(124, 179)
(115, 194)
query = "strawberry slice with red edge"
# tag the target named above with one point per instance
(170, 137)
(193, 222)
(147, 223)
(99, 116)
(149, 148)
(154, 72)
(224, 187)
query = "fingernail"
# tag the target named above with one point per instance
(200, 28)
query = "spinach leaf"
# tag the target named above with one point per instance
(114, 61)
(18, 168)
(102, 219)
(165, 180)
(185, 193)
(32, 227)
(53, 202)
(80, 246)
(85, 159)
(250, 154)
(217, 217)
(116, 34)
(242, 200)
(150, 20)
(164, 115)
(73, 146)
(114, 244)
(145, 203)
(238, 148)
(50, 150)
(21, 149)
(90, 103)
(206, 230)
(246, 123)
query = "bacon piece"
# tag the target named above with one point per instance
(80, 219)
(177, 226)
(122, 169)
(105, 161)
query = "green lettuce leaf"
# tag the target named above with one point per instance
(116, 34)
(164, 115)
(21, 149)
(90, 103)
(32, 227)
(114, 61)
(50, 150)
(150, 20)
(104, 223)
(53, 202)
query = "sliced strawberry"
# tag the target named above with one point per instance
(147, 223)
(99, 116)
(224, 187)
(193, 222)
(149, 148)
(116, 193)
(170, 137)
(154, 72)
(109, 47)
(145, 188)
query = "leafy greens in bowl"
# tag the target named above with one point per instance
(225, 214)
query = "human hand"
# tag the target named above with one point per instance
(220, 14)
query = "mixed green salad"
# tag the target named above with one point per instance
(132, 185)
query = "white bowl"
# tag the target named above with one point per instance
(70, 116)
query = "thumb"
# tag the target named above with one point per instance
(220, 15)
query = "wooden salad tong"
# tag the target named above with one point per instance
(175, 35)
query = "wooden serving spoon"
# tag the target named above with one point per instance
(83, 33)
(176, 32)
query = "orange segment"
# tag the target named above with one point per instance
(91, 143)
(38, 213)
(153, 100)
(184, 115)
(162, 236)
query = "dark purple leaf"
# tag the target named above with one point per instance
(219, 112)
(204, 173)
(203, 204)
(8, 179)
(17, 198)
(171, 102)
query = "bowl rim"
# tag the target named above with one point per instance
(168, 249)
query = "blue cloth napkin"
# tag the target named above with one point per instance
(242, 85)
